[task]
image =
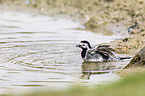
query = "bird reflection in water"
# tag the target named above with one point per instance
(89, 69)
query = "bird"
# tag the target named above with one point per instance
(132, 27)
(101, 53)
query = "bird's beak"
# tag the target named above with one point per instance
(78, 45)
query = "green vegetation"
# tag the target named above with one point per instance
(131, 85)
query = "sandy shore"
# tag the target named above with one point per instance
(96, 15)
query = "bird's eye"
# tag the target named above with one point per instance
(83, 44)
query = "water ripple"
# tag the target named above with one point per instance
(42, 50)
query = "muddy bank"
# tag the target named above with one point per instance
(138, 59)
(96, 15)
(130, 45)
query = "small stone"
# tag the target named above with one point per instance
(138, 59)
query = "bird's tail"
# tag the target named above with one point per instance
(122, 58)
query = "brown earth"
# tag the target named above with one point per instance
(138, 59)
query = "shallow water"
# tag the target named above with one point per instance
(39, 51)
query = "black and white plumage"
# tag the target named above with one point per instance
(132, 27)
(101, 53)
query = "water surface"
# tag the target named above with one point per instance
(39, 51)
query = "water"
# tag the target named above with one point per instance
(39, 52)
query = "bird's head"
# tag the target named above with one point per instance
(84, 45)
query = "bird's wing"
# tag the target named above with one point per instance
(106, 50)
(105, 46)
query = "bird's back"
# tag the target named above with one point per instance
(101, 53)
